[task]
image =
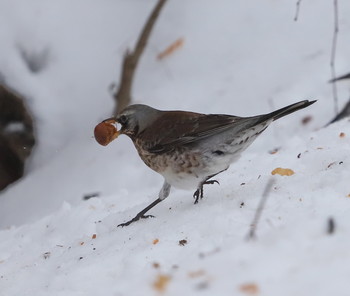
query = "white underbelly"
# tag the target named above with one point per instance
(194, 177)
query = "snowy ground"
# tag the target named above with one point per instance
(239, 58)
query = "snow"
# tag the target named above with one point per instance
(238, 57)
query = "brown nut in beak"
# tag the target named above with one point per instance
(105, 132)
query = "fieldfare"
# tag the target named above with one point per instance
(187, 148)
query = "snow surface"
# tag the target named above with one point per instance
(239, 57)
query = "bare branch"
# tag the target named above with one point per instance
(333, 55)
(254, 224)
(131, 59)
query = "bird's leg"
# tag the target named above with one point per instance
(199, 192)
(141, 215)
(163, 194)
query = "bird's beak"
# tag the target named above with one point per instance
(116, 121)
(111, 120)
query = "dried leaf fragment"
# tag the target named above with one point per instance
(274, 151)
(171, 48)
(282, 172)
(306, 119)
(197, 273)
(332, 163)
(182, 242)
(161, 282)
(156, 265)
(249, 288)
(155, 241)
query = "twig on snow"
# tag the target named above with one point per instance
(254, 224)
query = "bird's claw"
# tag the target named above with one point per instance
(136, 218)
(211, 182)
(199, 192)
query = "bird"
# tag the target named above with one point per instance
(188, 149)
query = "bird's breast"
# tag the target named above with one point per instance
(181, 167)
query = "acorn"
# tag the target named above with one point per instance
(105, 132)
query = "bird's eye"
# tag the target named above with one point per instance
(122, 119)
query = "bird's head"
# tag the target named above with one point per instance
(136, 118)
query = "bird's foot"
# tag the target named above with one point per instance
(211, 182)
(198, 194)
(136, 218)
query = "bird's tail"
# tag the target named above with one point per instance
(287, 110)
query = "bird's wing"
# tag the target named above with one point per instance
(181, 128)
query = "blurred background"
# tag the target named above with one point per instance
(62, 195)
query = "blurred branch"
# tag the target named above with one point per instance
(297, 10)
(343, 77)
(254, 224)
(345, 112)
(330, 225)
(131, 59)
(333, 55)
